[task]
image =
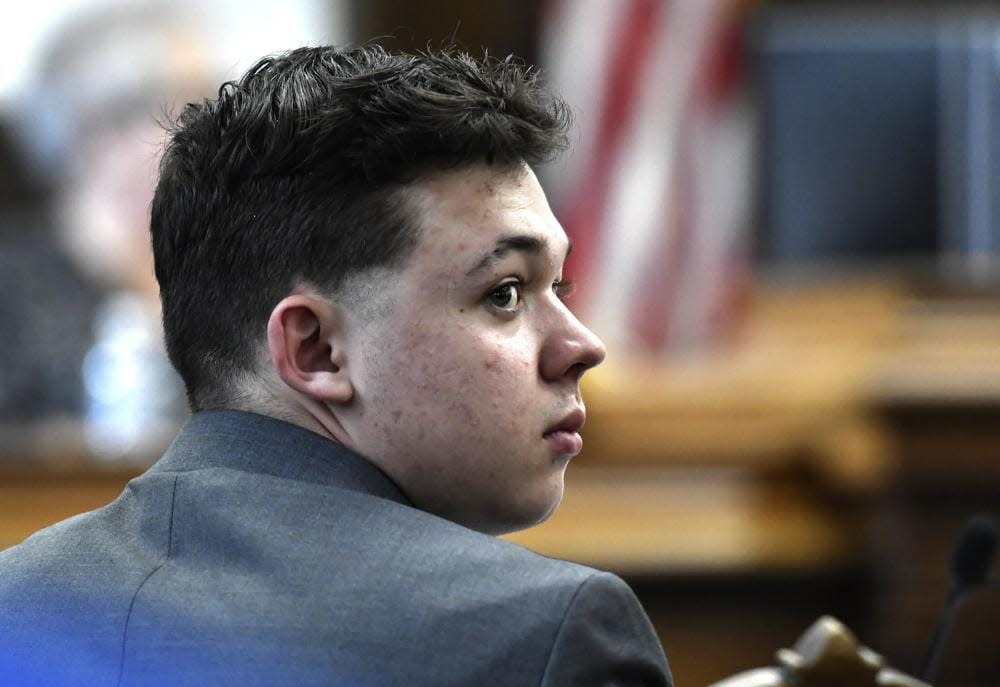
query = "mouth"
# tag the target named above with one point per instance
(564, 436)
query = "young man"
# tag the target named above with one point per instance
(361, 283)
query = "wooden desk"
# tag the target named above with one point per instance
(653, 521)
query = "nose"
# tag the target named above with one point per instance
(570, 349)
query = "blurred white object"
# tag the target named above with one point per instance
(132, 392)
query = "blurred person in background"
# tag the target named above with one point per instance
(106, 78)
(361, 282)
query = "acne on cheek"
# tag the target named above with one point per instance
(500, 365)
(496, 364)
(471, 417)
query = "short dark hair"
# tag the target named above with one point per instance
(297, 172)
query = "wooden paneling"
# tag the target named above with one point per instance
(30, 501)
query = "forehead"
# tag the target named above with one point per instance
(464, 214)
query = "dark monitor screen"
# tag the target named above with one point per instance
(848, 107)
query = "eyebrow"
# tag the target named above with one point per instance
(522, 243)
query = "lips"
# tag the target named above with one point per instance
(571, 423)
(564, 436)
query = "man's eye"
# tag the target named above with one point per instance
(562, 288)
(506, 296)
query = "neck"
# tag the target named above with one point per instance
(318, 417)
(297, 409)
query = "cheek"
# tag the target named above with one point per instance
(420, 372)
(449, 377)
(507, 374)
(507, 378)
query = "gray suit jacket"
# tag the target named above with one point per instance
(258, 553)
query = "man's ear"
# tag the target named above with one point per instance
(305, 338)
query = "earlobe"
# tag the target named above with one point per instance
(305, 340)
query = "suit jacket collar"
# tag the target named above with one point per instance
(256, 443)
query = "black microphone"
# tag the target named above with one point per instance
(970, 567)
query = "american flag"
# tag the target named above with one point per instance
(655, 192)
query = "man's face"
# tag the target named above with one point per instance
(467, 384)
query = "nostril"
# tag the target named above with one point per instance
(575, 371)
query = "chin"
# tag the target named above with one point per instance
(525, 516)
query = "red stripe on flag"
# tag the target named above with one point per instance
(726, 70)
(725, 66)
